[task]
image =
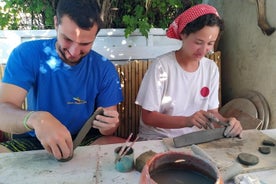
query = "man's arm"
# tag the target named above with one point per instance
(52, 134)
(11, 113)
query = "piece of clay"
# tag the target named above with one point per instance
(268, 143)
(264, 149)
(142, 159)
(248, 159)
(65, 159)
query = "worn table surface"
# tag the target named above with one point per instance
(90, 164)
(224, 152)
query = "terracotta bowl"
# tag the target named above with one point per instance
(179, 167)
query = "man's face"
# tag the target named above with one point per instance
(73, 42)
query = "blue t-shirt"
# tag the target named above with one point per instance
(70, 93)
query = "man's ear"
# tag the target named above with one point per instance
(56, 22)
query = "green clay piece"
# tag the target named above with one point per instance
(248, 159)
(264, 149)
(268, 143)
(65, 159)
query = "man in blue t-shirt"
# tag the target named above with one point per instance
(64, 81)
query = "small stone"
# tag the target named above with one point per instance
(142, 159)
(248, 159)
(264, 149)
(268, 143)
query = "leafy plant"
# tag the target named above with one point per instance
(128, 14)
(26, 14)
(146, 14)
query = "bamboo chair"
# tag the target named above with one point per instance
(131, 75)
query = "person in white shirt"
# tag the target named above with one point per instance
(179, 92)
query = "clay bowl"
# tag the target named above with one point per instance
(179, 167)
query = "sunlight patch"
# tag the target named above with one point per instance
(166, 100)
(42, 69)
(53, 63)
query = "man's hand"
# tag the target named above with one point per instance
(108, 122)
(52, 134)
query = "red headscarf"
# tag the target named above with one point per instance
(188, 16)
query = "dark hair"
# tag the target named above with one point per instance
(85, 13)
(200, 22)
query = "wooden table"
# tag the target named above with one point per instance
(90, 164)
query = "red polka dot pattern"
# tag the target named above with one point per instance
(188, 16)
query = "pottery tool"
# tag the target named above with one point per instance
(126, 149)
(86, 127)
(199, 137)
(83, 132)
(214, 119)
(124, 146)
(200, 152)
(227, 172)
(202, 136)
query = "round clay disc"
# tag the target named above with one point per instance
(65, 159)
(268, 143)
(264, 149)
(248, 159)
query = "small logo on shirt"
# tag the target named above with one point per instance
(204, 91)
(77, 100)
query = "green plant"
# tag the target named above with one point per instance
(128, 14)
(26, 14)
(147, 14)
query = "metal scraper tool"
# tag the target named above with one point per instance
(83, 132)
(198, 137)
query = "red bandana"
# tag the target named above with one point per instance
(188, 16)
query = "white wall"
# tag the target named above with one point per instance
(248, 56)
(109, 42)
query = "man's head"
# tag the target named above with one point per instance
(77, 23)
(85, 13)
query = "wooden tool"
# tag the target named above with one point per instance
(83, 132)
(86, 127)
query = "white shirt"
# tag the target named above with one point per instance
(168, 89)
